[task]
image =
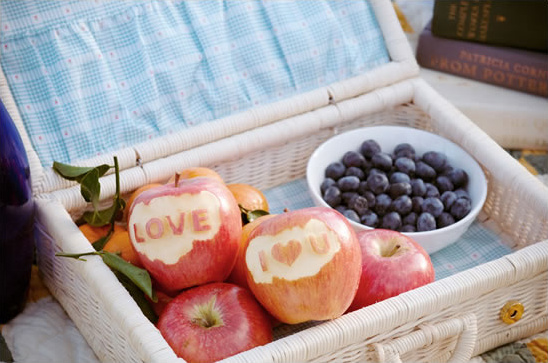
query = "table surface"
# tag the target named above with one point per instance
(44, 333)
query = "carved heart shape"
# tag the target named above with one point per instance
(286, 253)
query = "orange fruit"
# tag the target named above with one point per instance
(197, 171)
(93, 233)
(248, 196)
(119, 243)
(238, 274)
(136, 193)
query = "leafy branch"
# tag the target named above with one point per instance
(90, 189)
(133, 278)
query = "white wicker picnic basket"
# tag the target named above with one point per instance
(452, 319)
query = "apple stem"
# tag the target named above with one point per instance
(394, 250)
(177, 177)
(206, 316)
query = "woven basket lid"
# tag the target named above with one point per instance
(87, 80)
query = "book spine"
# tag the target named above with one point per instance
(521, 24)
(517, 69)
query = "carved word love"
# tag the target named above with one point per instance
(158, 227)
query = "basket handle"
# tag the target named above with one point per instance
(463, 328)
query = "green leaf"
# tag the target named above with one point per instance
(254, 214)
(70, 172)
(251, 215)
(76, 173)
(98, 218)
(137, 275)
(138, 296)
(105, 216)
(101, 242)
(90, 188)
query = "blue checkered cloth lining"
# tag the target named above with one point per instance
(91, 77)
(478, 245)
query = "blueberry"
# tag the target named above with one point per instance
(370, 198)
(461, 208)
(382, 204)
(346, 196)
(341, 208)
(404, 150)
(417, 204)
(408, 228)
(370, 219)
(431, 191)
(353, 158)
(363, 188)
(391, 221)
(375, 171)
(382, 161)
(458, 177)
(410, 218)
(397, 189)
(402, 204)
(417, 187)
(358, 204)
(444, 183)
(326, 183)
(437, 160)
(462, 193)
(399, 177)
(377, 183)
(355, 171)
(448, 198)
(332, 196)
(424, 171)
(432, 205)
(405, 165)
(426, 222)
(369, 148)
(446, 169)
(348, 183)
(445, 219)
(335, 170)
(352, 215)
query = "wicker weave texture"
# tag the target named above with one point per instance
(456, 317)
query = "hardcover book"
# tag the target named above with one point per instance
(521, 24)
(517, 69)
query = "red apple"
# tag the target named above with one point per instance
(304, 265)
(186, 233)
(238, 274)
(214, 321)
(392, 263)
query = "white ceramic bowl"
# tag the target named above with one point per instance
(388, 137)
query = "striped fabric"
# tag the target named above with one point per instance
(91, 77)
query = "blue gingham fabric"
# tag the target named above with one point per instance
(476, 246)
(91, 77)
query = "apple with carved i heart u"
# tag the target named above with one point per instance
(214, 321)
(304, 264)
(392, 263)
(186, 233)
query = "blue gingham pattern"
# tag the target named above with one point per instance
(91, 77)
(476, 246)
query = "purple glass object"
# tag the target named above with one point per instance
(16, 220)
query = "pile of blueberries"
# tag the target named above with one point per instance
(401, 191)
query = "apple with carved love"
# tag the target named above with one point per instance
(186, 233)
(392, 263)
(238, 274)
(304, 264)
(214, 321)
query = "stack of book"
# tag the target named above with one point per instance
(501, 42)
